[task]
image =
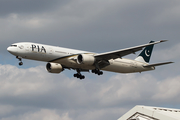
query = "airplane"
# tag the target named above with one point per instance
(58, 58)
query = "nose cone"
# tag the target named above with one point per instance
(9, 49)
(12, 50)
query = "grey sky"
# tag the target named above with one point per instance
(29, 6)
(99, 26)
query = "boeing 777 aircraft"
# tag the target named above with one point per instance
(59, 59)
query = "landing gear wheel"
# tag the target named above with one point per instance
(93, 71)
(77, 75)
(100, 73)
(20, 63)
(82, 77)
(97, 71)
(20, 59)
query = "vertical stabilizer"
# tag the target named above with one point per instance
(145, 55)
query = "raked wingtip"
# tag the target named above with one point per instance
(163, 40)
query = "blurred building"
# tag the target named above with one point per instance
(151, 113)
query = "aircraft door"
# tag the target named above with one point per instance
(27, 47)
(50, 50)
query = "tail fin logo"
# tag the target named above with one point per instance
(147, 53)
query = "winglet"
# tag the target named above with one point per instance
(163, 40)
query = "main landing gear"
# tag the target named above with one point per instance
(20, 59)
(79, 75)
(97, 71)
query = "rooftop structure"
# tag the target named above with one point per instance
(151, 113)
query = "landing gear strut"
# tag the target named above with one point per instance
(79, 75)
(97, 71)
(20, 59)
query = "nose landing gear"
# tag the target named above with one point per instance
(20, 63)
(20, 59)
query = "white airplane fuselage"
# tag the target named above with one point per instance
(67, 57)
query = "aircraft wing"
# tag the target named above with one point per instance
(157, 64)
(123, 52)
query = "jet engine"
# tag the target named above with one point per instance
(85, 59)
(54, 67)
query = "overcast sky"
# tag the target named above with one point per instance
(31, 93)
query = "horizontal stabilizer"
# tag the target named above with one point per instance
(157, 64)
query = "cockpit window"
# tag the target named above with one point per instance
(13, 45)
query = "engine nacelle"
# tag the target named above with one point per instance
(54, 67)
(85, 59)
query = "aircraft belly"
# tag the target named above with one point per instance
(120, 68)
(124, 67)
